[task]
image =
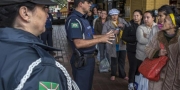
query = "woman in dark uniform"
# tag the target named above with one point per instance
(25, 64)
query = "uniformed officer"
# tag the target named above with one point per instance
(24, 64)
(80, 35)
(46, 37)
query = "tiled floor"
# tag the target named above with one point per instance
(101, 80)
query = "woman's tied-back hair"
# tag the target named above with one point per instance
(174, 15)
(175, 18)
(172, 12)
(139, 11)
(10, 12)
(166, 9)
(151, 12)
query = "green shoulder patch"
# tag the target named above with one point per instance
(74, 25)
(48, 86)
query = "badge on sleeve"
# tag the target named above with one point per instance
(48, 86)
(74, 25)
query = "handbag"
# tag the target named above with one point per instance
(150, 68)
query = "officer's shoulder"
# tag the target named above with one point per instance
(73, 18)
(24, 49)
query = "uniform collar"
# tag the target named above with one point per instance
(21, 36)
(79, 14)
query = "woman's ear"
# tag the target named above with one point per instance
(25, 14)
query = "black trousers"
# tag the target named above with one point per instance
(46, 37)
(133, 66)
(120, 62)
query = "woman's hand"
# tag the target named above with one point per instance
(120, 25)
(162, 52)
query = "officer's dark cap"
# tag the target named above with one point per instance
(43, 2)
(88, 0)
(46, 6)
(83, 0)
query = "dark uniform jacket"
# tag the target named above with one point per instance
(129, 35)
(78, 27)
(19, 49)
(49, 21)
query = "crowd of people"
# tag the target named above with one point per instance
(27, 61)
(139, 39)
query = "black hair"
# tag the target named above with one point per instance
(171, 9)
(99, 9)
(177, 20)
(10, 12)
(94, 7)
(151, 12)
(76, 2)
(166, 9)
(174, 10)
(93, 10)
(104, 10)
(139, 11)
(176, 15)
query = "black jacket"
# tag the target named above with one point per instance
(90, 19)
(98, 26)
(129, 35)
(19, 49)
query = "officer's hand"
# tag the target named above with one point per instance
(108, 37)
